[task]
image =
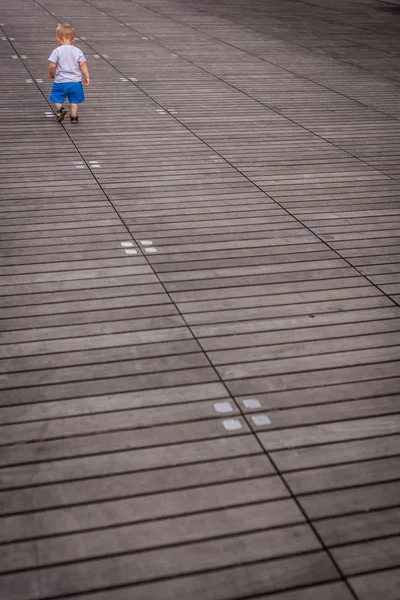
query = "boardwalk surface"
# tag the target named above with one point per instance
(200, 303)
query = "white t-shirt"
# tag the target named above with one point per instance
(67, 58)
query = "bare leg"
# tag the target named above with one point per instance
(58, 105)
(74, 110)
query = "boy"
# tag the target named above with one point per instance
(66, 65)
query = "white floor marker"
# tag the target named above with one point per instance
(261, 420)
(252, 403)
(223, 407)
(232, 424)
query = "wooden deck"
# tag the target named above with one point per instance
(200, 303)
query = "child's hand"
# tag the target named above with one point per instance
(86, 81)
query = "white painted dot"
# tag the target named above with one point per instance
(23, 56)
(13, 39)
(133, 78)
(131, 251)
(39, 80)
(83, 38)
(96, 56)
(146, 242)
(145, 38)
(95, 166)
(79, 167)
(151, 250)
(261, 420)
(105, 56)
(223, 407)
(232, 424)
(78, 162)
(28, 80)
(126, 244)
(252, 403)
(14, 56)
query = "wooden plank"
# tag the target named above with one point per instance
(142, 508)
(234, 582)
(367, 556)
(196, 557)
(343, 502)
(104, 443)
(150, 534)
(369, 586)
(343, 476)
(325, 413)
(330, 432)
(116, 402)
(231, 461)
(335, 453)
(358, 527)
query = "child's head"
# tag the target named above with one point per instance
(65, 33)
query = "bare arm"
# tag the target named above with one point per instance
(84, 69)
(52, 70)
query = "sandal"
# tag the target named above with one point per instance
(61, 114)
(73, 119)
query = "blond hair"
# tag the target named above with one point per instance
(65, 31)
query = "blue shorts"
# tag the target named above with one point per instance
(72, 90)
